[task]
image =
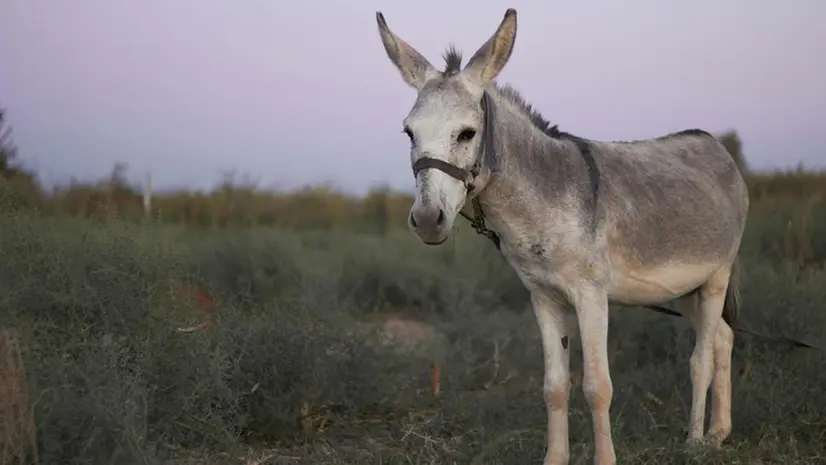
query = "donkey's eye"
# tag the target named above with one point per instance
(409, 134)
(466, 135)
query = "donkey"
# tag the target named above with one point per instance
(584, 223)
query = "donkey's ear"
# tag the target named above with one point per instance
(491, 57)
(415, 68)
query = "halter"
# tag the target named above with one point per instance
(468, 176)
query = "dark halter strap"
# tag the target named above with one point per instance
(468, 176)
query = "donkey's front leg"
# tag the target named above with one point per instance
(554, 317)
(591, 302)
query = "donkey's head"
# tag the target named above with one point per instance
(446, 124)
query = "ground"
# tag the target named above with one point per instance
(154, 344)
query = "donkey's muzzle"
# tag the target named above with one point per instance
(429, 223)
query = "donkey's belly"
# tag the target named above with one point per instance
(657, 284)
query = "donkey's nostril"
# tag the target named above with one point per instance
(441, 219)
(413, 221)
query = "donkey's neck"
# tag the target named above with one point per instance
(538, 178)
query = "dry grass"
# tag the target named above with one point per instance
(331, 348)
(18, 444)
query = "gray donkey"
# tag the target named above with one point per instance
(582, 222)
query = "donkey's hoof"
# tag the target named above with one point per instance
(695, 444)
(716, 437)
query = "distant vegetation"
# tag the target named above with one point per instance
(234, 203)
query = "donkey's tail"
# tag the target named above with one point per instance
(731, 307)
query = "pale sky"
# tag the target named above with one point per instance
(293, 93)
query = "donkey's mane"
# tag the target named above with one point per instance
(507, 91)
(453, 61)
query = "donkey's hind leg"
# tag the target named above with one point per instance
(711, 357)
(720, 425)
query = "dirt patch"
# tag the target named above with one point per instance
(408, 334)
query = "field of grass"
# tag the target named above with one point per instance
(297, 365)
